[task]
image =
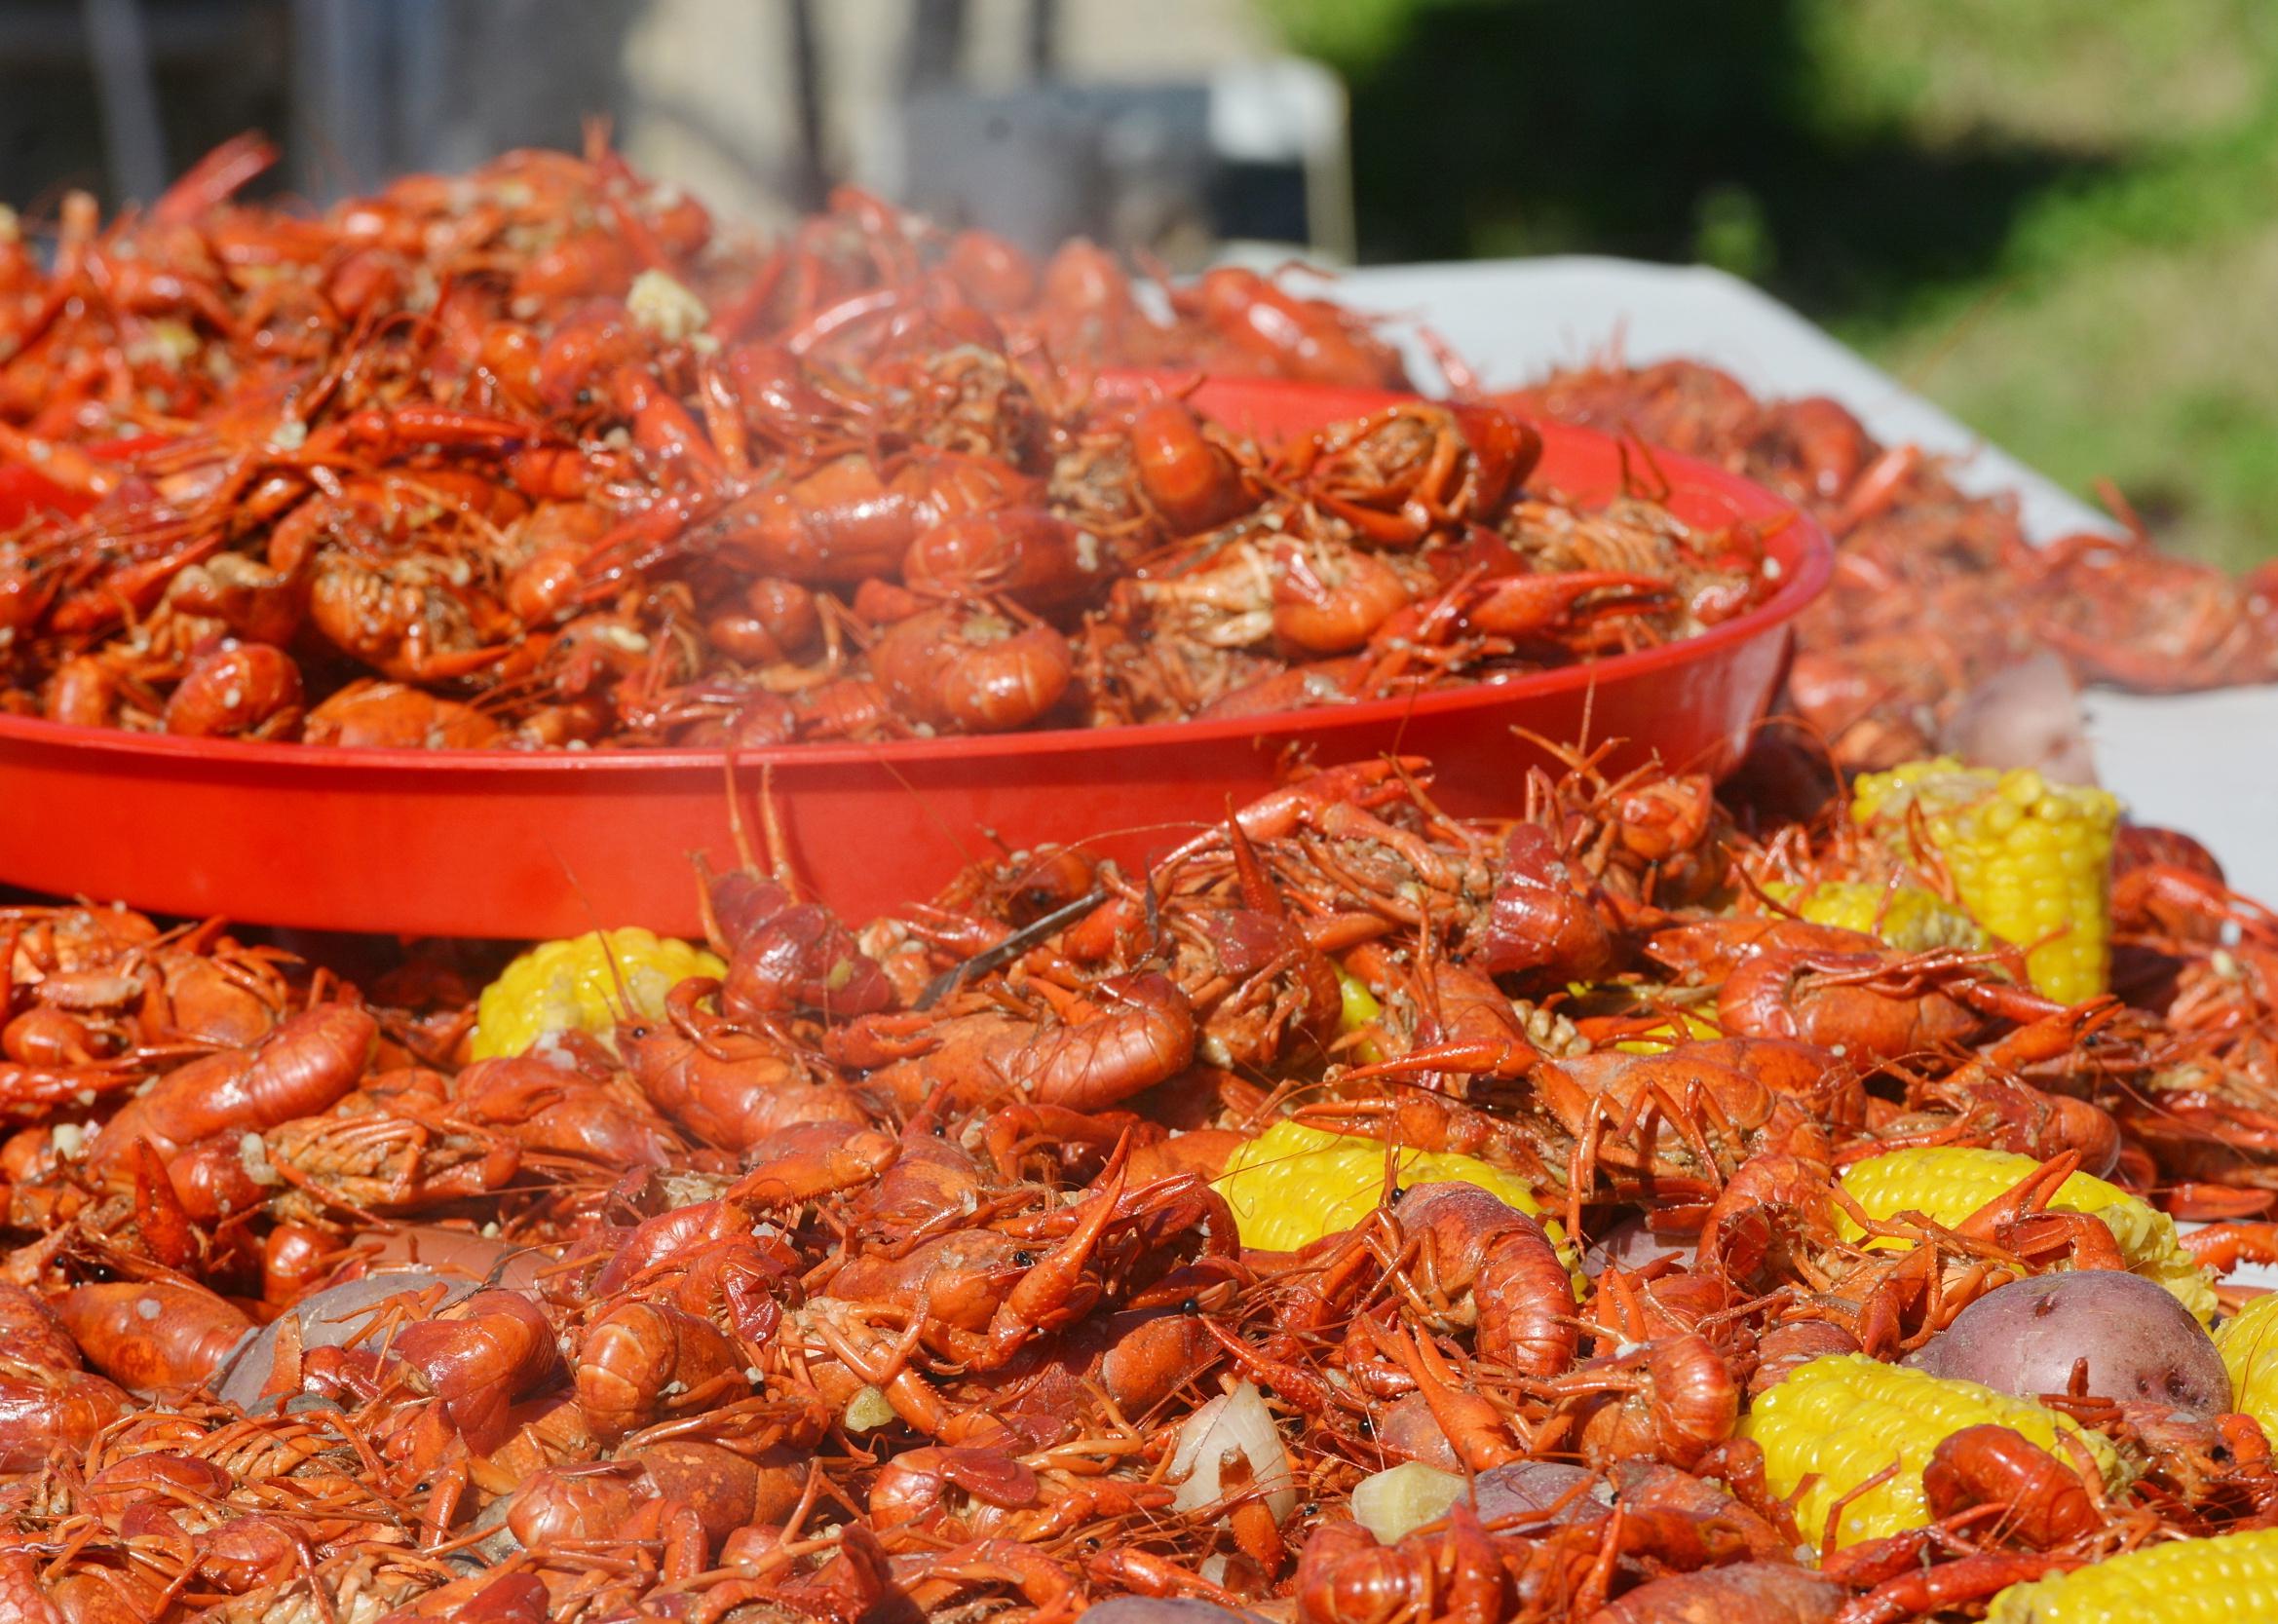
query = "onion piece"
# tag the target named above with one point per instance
(1237, 1423)
(1393, 1505)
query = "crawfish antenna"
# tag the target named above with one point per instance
(1257, 886)
(2122, 509)
(715, 938)
(931, 816)
(771, 829)
(498, 1270)
(1582, 760)
(1784, 910)
(592, 918)
(735, 828)
(1631, 484)
(626, 1010)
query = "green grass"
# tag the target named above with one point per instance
(2128, 329)
(2059, 220)
(2152, 364)
(2057, 72)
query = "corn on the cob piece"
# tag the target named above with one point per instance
(571, 985)
(2029, 858)
(1296, 1183)
(2230, 1578)
(1906, 916)
(2249, 1346)
(1949, 1183)
(1846, 1417)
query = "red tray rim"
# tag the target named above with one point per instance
(1803, 583)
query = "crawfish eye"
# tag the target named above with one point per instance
(1025, 1260)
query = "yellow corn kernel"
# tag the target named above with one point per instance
(1672, 1033)
(1296, 1183)
(2249, 1344)
(2230, 1578)
(1357, 1005)
(1674, 1027)
(1949, 1183)
(1844, 1417)
(1357, 1009)
(2032, 860)
(572, 986)
(1906, 916)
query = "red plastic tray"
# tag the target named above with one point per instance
(498, 843)
(25, 491)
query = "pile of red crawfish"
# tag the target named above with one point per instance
(535, 458)
(885, 1274)
(1936, 592)
(892, 1272)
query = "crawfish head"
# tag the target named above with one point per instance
(155, 1333)
(1542, 917)
(791, 954)
(641, 1361)
(743, 901)
(496, 1347)
(1773, 1212)
(2045, 1501)
(1495, 1265)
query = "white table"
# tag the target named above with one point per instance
(2202, 763)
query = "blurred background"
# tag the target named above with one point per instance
(2058, 221)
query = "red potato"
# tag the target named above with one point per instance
(336, 1316)
(1760, 1592)
(2140, 1342)
(1167, 1610)
(1551, 1493)
(1631, 1242)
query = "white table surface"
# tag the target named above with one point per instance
(2203, 762)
